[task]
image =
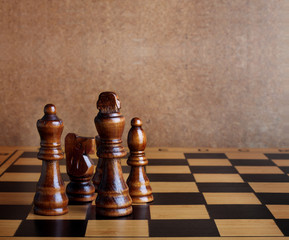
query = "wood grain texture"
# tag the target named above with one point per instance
(209, 162)
(168, 169)
(245, 155)
(9, 161)
(138, 182)
(220, 178)
(9, 227)
(283, 163)
(248, 227)
(115, 228)
(279, 211)
(75, 213)
(16, 177)
(79, 167)
(28, 161)
(113, 199)
(259, 170)
(273, 187)
(178, 212)
(218, 68)
(163, 187)
(50, 198)
(16, 198)
(231, 198)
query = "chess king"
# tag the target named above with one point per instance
(113, 199)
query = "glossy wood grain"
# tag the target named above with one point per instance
(218, 178)
(138, 182)
(231, 198)
(113, 197)
(247, 227)
(80, 168)
(50, 197)
(178, 212)
(116, 228)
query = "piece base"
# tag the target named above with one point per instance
(50, 212)
(114, 212)
(142, 199)
(81, 197)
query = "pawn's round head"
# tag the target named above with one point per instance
(50, 109)
(136, 122)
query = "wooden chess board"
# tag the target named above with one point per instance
(209, 193)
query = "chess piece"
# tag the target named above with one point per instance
(98, 171)
(50, 197)
(113, 199)
(138, 182)
(79, 168)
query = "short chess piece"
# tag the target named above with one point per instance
(79, 168)
(113, 199)
(138, 182)
(50, 197)
(98, 170)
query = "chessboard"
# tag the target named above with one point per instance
(198, 194)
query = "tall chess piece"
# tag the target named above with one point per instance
(138, 182)
(79, 168)
(113, 199)
(50, 197)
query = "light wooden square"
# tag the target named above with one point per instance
(123, 162)
(62, 168)
(231, 198)
(125, 176)
(168, 169)
(75, 212)
(245, 155)
(8, 162)
(16, 198)
(209, 162)
(258, 170)
(179, 212)
(165, 155)
(20, 177)
(218, 178)
(279, 211)
(174, 187)
(9, 227)
(247, 227)
(281, 163)
(270, 187)
(28, 161)
(3, 158)
(117, 228)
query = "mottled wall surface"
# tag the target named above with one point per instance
(206, 73)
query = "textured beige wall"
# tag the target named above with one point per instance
(208, 73)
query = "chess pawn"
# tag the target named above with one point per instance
(113, 199)
(50, 197)
(79, 168)
(138, 182)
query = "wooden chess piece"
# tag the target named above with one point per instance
(138, 182)
(113, 199)
(98, 171)
(50, 197)
(79, 168)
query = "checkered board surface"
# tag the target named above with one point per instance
(208, 193)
